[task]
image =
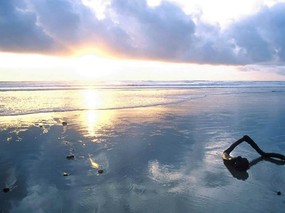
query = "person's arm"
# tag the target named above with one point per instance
(226, 153)
(234, 145)
(254, 145)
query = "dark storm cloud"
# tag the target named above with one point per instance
(134, 29)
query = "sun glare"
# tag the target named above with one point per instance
(93, 67)
(92, 99)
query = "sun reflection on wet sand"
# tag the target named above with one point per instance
(92, 99)
(91, 120)
(94, 118)
(93, 163)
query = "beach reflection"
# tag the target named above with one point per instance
(106, 112)
(161, 156)
(92, 99)
(91, 120)
(94, 118)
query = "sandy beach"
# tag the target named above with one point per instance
(114, 106)
(159, 150)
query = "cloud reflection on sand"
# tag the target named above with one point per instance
(162, 158)
(40, 197)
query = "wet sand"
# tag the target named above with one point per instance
(154, 159)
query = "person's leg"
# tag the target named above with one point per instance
(262, 153)
(254, 145)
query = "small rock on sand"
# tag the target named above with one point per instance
(70, 157)
(6, 190)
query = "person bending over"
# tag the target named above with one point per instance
(242, 164)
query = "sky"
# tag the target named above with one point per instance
(142, 40)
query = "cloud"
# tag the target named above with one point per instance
(266, 68)
(135, 29)
(260, 37)
(58, 18)
(19, 31)
(160, 32)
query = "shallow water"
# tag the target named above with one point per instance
(160, 149)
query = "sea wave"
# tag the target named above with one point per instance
(24, 98)
(75, 109)
(41, 86)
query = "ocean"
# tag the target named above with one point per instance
(144, 146)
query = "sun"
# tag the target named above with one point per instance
(94, 67)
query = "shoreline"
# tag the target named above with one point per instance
(187, 94)
(151, 157)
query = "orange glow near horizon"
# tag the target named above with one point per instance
(89, 49)
(93, 67)
(97, 65)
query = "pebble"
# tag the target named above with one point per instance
(70, 157)
(6, 190)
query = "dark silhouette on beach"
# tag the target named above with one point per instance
(238, 166)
